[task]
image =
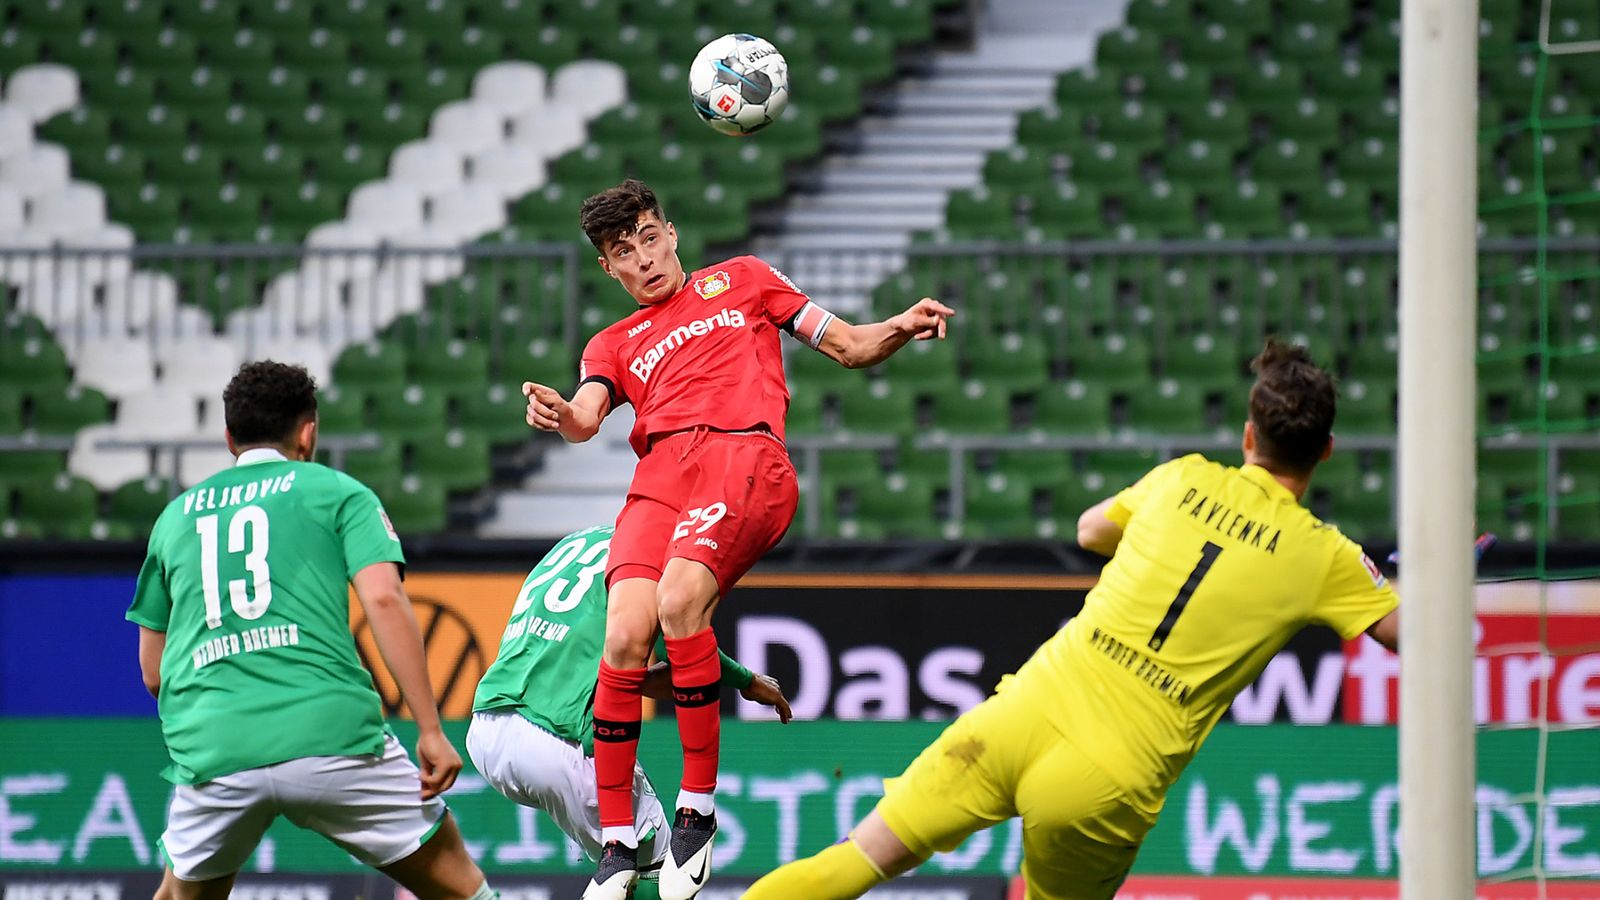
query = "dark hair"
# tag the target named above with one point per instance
(614, 212)
(266, 401)
(1292, 405)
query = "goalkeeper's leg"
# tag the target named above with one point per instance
(871, 855)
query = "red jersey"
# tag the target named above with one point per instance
(709, 355)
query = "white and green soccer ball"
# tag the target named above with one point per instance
(739, 84)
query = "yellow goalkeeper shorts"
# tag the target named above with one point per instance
(1080, 831)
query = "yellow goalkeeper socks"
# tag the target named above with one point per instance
(840, 872)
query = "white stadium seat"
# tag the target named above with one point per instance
(329, 267)
(311, 354)
(115, 366)
(196, 464)
(161, 411)
(75, 208)
(510, 169)
(390, 292)
(510, 87)
(383, 209)
(467, 213)
(10, 208)
(18, 267)
(61, 300)
(550, 130)
(38, 169)
(102, 253)
(135, 303)
(590, 86)
(104, 467)
(467, 125)
(427, 255)
(16, 129)
(199, 367)
(42, 90)
(429, 167)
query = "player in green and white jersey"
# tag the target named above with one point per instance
(244, 638)
(532, 732)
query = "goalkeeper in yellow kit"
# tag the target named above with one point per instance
(1213, 568)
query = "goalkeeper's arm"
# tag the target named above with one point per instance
(1386, 631)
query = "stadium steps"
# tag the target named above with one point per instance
(579, 485)
(903, 163)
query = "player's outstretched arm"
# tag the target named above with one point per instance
(1096, 531)
(394, 627)
(152, 644)
(762, 689)
(1386, 631)
(862, 346)
(578, 420)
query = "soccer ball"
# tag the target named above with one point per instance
(739, 84)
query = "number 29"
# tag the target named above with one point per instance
(707, 516)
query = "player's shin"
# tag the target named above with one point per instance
(618, 705)
(837, 873)
(696, 676)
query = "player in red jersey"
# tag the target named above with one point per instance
(714, 490)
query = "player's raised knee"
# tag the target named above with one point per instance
(628, 642)
(684, 608)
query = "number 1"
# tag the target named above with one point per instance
(1208, 555)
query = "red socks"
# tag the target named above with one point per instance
(696, 690)
(618, 704)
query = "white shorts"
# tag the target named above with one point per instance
(371, 806)
(535, 768)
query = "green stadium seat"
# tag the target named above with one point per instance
(133, 18)
(1220, 121)
(136, 505)
(317, 125)
(925, 368)
(1129, 48)
(1110, 470)
(1249, 209)
(1353, 81)
(806, 412)
(33, 364)
(540, 360)
(1217, 46)
(124, 89)
(1204, 358)
(459, 461)
(909, 20)
(1161, 16)
(1110, 167)
(1308, 121)
(65, 412)
(456, 47)
(1271, 87)
(90, 48)
(1121, 362)
(154, 127)
(1087, 86)
(1015, 362)
(1373, 160)
(883, 408)
(902, 506)
(1199, 164)
(1065, 210)
(243, 52)
(976, 408)
(61, 507)
(373, 367)
(1016, 169)
(79, 129)
(412, 414)
(496, 412)
(457, 365)
(194, 167)
(1343, 208)
(318, 52)
(1288, 164)
(999, 506)
(1302, 41)
(979, 212)
(1170, 406)
(1253, 15)
(1138, 126)
(1332, 14)
(1073, 407)
(1177, 84)
(414, 506)
(379, 465)
(115, 168)
(228, 208)
(1163, 208)
(171, 52)
(1049, 128)
(341, 409)
(201, 92)
(1366, 407)
(207, 17)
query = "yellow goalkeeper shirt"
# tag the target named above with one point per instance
(1217, 568)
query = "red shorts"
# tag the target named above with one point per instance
(720, 499)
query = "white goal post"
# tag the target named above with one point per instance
(1438, 325)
